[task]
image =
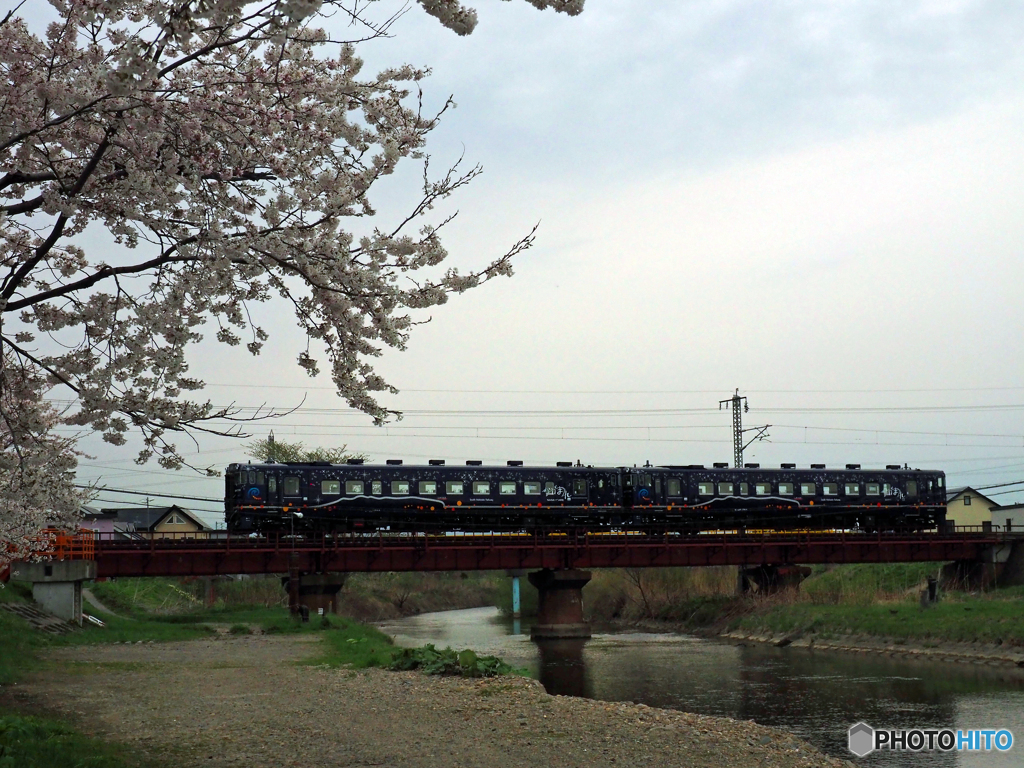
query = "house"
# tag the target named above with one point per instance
(966, 506)
(1009, 518)
(148, 522)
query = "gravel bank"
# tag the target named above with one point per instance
(243, 701)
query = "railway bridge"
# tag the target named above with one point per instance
(559, 562)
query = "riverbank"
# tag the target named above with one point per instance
(251, 700)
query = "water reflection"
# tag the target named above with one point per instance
(562, 669)
(817, 695)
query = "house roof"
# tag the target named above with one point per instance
(952, 493)
(1010, 506)
(148, 518)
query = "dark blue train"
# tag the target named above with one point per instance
(437, 497)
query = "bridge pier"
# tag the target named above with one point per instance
(560, 604)
(1002, 565)
(318, 592)
(771, 579)
(57, 585)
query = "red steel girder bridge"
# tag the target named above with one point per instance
(432, 552)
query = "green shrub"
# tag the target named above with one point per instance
(450, 662)
(239, 629)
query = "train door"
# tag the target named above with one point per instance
(643, 488)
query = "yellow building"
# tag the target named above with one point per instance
(171, 522)
(966, 506)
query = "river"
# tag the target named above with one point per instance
(815, 694)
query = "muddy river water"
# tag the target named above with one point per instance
(817, 695)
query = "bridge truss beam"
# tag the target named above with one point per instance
(377, 553)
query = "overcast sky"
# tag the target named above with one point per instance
(819, 203)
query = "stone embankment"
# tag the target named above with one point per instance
(248, 701)
(961, 653)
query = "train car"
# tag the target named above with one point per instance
(399, 497)
(819, 498)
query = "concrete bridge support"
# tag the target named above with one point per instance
(57, 585)
(770, 579)
(1002, 565)
(560, 608)
(317, 592)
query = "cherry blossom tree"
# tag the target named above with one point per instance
(226, 150)
(36, 465)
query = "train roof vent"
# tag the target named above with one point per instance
(436, 462)
(395, 462)
(474, 463)
(354, 461)
(752, 466)
(853, 466)
(893, 466)
(514, 463)
(563, 463)
(721, 464)
(817, 466)
(789, 466)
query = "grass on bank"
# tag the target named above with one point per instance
(36, 742)
(992, 618)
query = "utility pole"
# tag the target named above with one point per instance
(735, 402)
(738, 404)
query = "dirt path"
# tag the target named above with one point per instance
(243, 701)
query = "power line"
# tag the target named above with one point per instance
(148, 493)
(190, 507)
(630, 391)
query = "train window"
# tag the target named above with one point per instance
(252, 477)
(853, 489)
(912, 488)
(260, 478)
(706, 489)
(647, 480)
(454, 487)
(428, 488)
(763, 489)
(744, 489)
(725, 489)
(674, 487)
(481, 488)
(549, 487)
(830, 489)
(241, 478)
(354, 487)
(376, 487)
(785, 489)
(290, 486)
(872, 489)
(531, 487)
(808, 489)
(330, 487)
(885, 489)
(657, 485)
(399, 487)
(507, 487)
(272, 484)
(579, 487)
(939, 481)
